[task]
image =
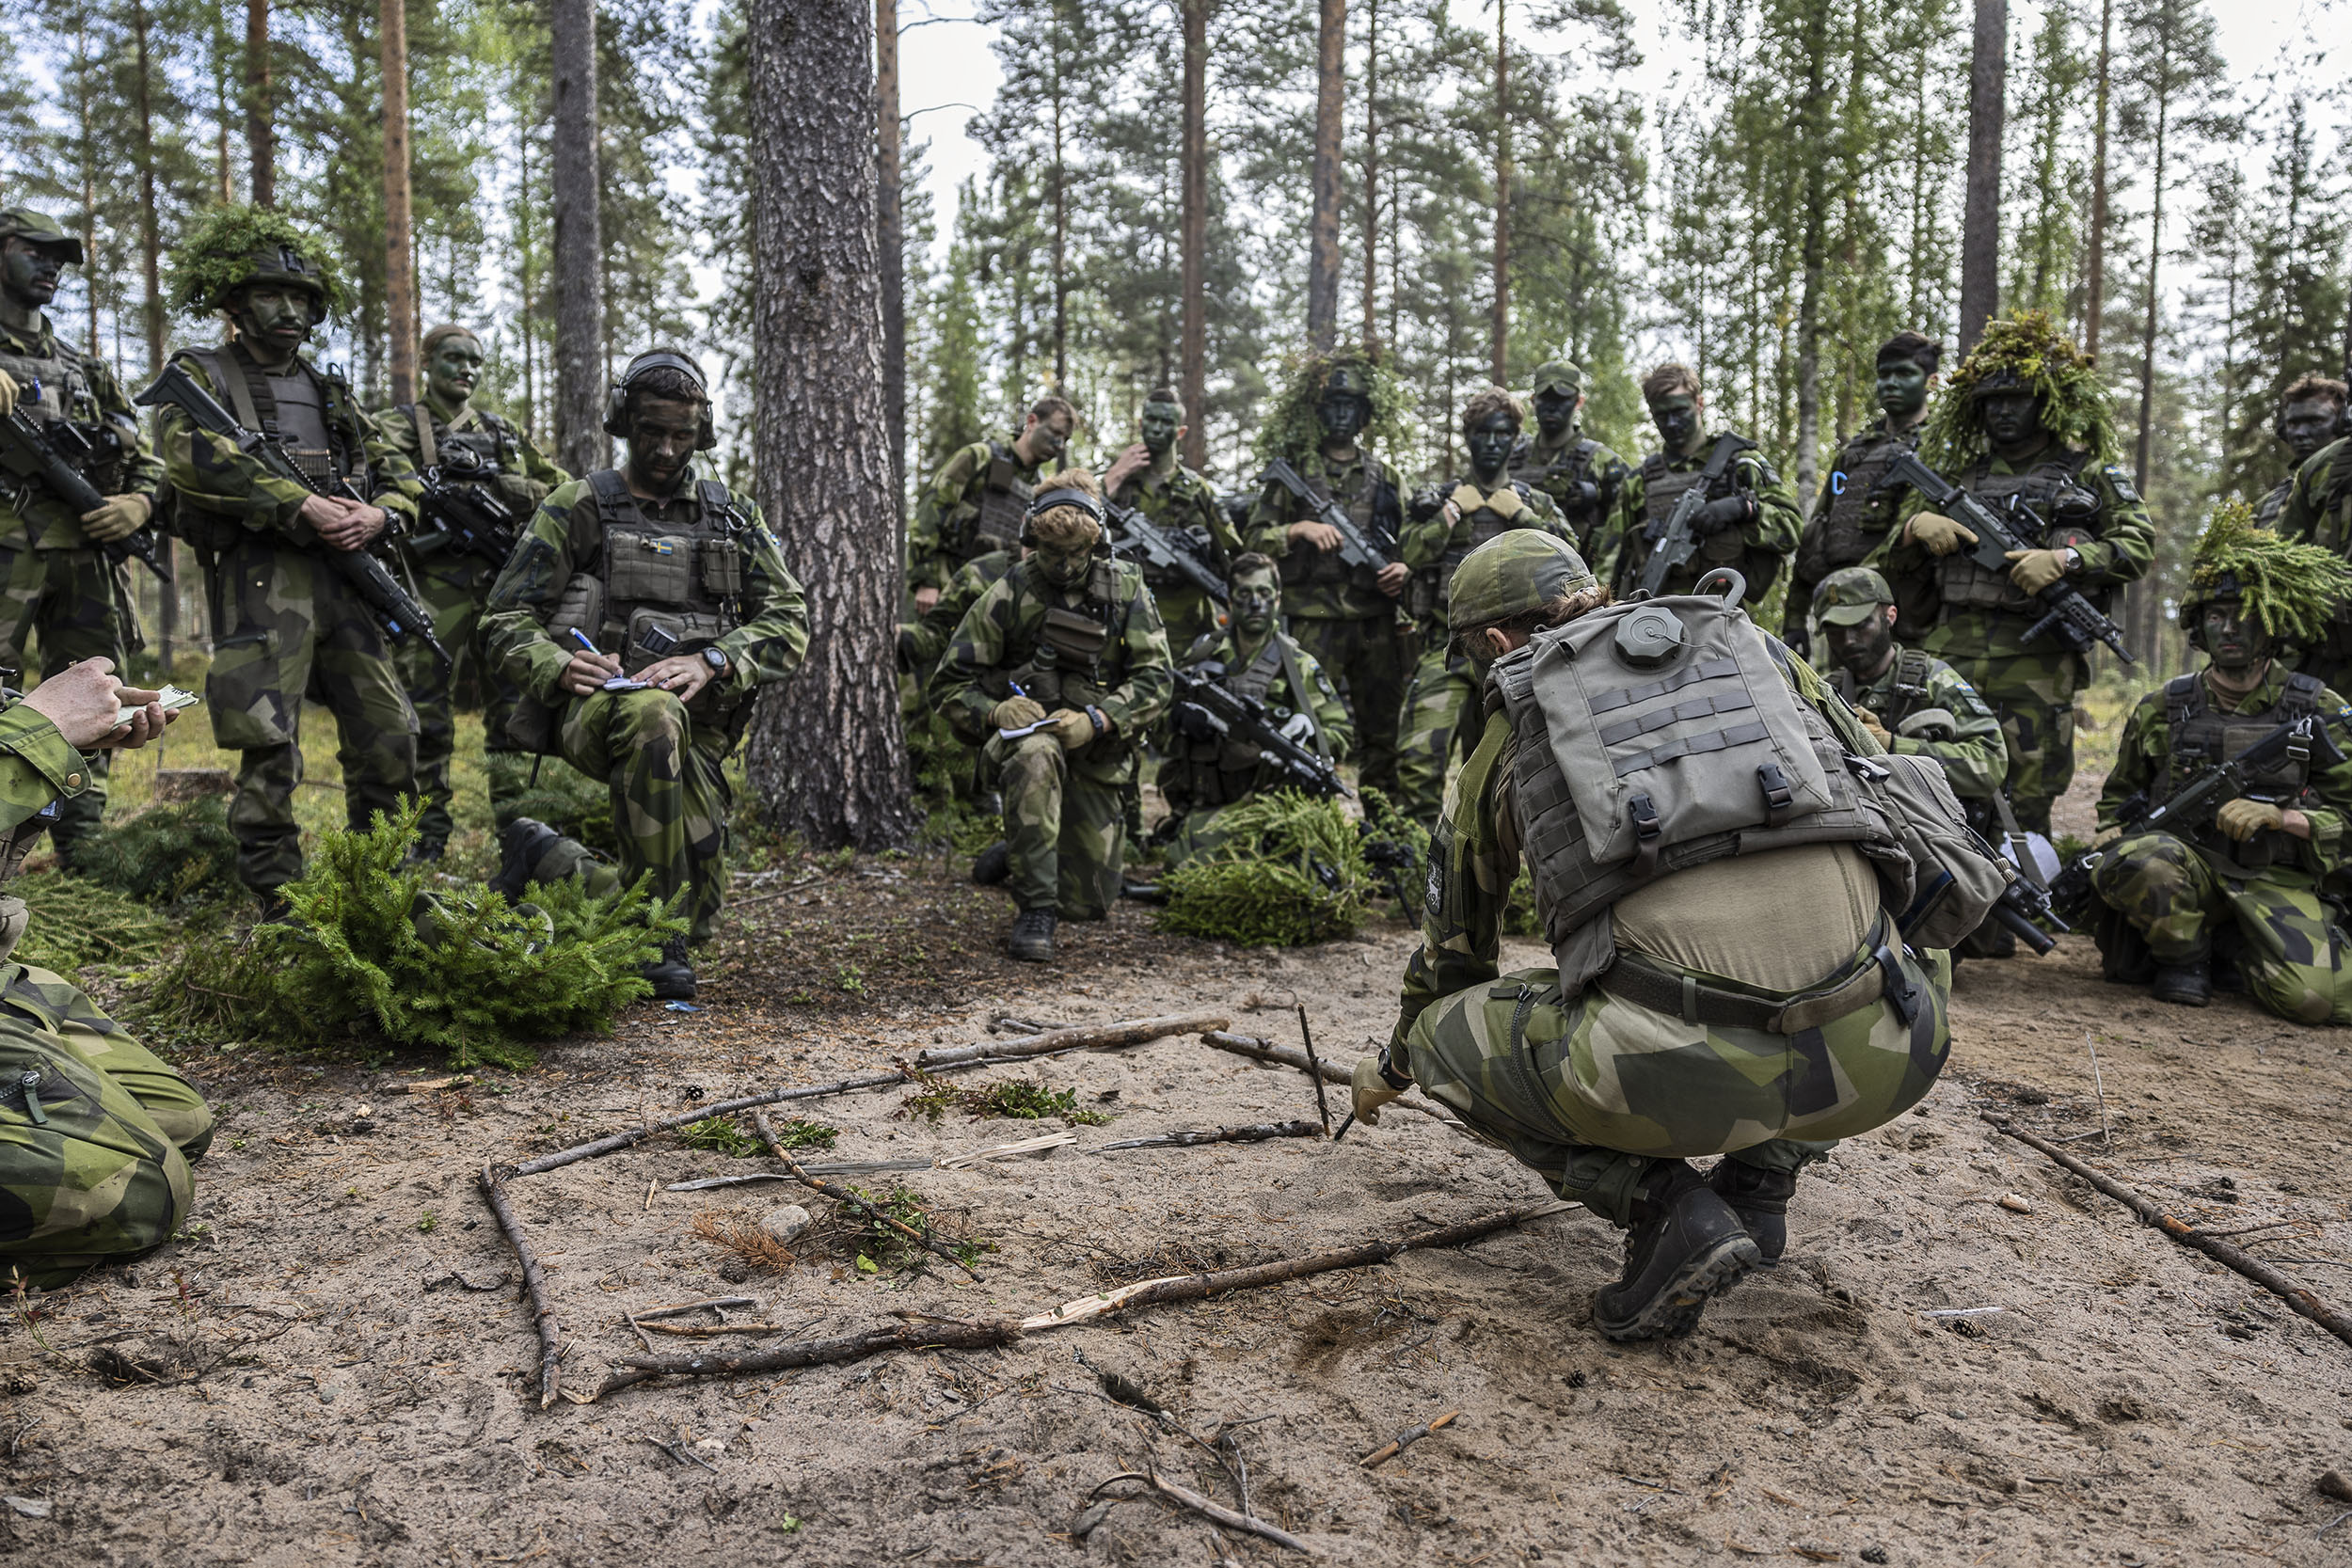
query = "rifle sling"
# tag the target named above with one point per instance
(1301, 700)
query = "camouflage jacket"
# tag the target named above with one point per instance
(1975, 759)
(1176, 499)
(1763, 543)
(1218, 771)
(37, 767)
(921, 642)
(1017, 632)
(945, 511)
(2318, 507)
(2273, 506)
(1852, 515)
(526, 474)
(1434, 547)
(30, 516)
(1563, 472)
(1314, 589)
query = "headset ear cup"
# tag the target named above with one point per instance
(616, 412)
(709, 437)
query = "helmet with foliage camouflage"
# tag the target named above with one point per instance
(1291, 428)
(2289, 589)
(230, 248)
(1512, 574)
(1560, 377)
(23, 223)
(2025, 352)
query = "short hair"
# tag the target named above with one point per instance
(1921, 350)
(664, 381)
(1556, 612)
(444, 332)
(2314, 384)
(1165, 394)
(1050, 407)
(1066, 526)
(1487, 403)
(1669, 379)
(1248, 561)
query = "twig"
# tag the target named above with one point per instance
(684, 1455)
(817, 1353)
(735, 904)
(1091, 1037)
(1315, 1066)
(1184, 1496)
(2106, 1137)
(535, 1286)
(1006, 1151)
(1406, 1439)
(716, 1304)
(1266, 1051)
(2253, 1268)
(1254, 1133)
(864, 1206)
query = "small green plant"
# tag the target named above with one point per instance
(1015, 1096)
(720, 1135)
(806, 1134)
(879, 1245)
(851, 978)
(428, 1222)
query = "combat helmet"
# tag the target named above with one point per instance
(39, 228)
(2289, 589)
(230, 248)
(1513, 573)
(2024, 352)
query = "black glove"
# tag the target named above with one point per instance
(1427, 501)
(1587, 494)
(1795, 636)
(1717, 515)
(1193, 722)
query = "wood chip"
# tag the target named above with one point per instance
(2014, 1204)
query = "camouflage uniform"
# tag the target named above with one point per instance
(451, 584)
(1336, 613)
(922, 642)
(2272, 508)
(1982, 618)
(285, 627)
(2318, 511)
(1201, 778)
(974, 505)
(2180, 893)
(1758, 549)
(1445, 682)
(1850, 518)
(710, 581)
(1177, 501)
(1581, 477)
(100, 1174)
(1097, 644)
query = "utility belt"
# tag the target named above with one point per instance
(1875, 970)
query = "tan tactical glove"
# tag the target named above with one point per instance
(2034, 570)
(1072, 728)
(1015, 713)
(1370, 1090)
(1878, 731)
(1937, 532)
(8, 394)
(2243, 818)
(120, 517)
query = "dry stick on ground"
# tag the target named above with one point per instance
(2245, 1263)
(862, 1206)
(818, 1353)
(1254, 1133)
(535, 1286)
(1315, 1067)
(1186, 1497)
(1406, 1439)
(1266, 1051)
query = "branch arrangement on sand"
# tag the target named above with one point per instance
(1156, 1486)
(1329, 1072)
(857, 1202)
(535, 1286)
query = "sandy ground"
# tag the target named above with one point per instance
(338, 1386)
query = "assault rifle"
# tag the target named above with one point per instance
(1152, 546)
(476, 520)
(54, 457)
(392, 604)
(1247, 720)
(2077, 622)
(1670, 542)
(1370, 548)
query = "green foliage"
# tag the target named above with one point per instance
(879, 1245)
(1292, 430)
(2291, 588)
(1291, 872)
(2028, 345)
(720, 1135)
(176, 854)
(1396, 847)
(76, 921)
(1016, 1097)
(216, 254)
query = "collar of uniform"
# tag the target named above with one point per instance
(39, 346)
(2265, 694)
(453, 417)
(1536, 448)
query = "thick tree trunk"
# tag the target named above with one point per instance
(1061, 247)
(1500, 328)
(1323, 224)
(150, 240)
(890, 231)
(400, 247)
(827, 758)
(1813, 115)
(1981, 224)
(579, 373)
(1372, 173)
(2095, 264)
(1194, 225)
(2154, 303)
(261, 114)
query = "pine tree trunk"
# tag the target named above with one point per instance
(399, 252)
(2096, 263)
(1194, 225)
(1499, 335)
(2154, 306)
(827, 757)
(579, 372)
(261, 114)
(890, 229)
(150, 241)
(1061, 247)
(1323, 224)
(1981, 224)
(1813, 115)
(1372, 173)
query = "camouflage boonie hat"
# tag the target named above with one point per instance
(1348, 376)
(23, 223)
(1560, 377)
(1850, 597)
(1512, 574)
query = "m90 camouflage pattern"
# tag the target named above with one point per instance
(1370, 548)
(29, 453)
(1672, 542)
(1246, 720)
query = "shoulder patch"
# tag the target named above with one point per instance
(2125, 491)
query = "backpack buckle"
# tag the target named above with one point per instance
(1777, 795)
(1643, 813)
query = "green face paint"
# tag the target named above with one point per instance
(2013, 421)
(1555, 411)
(1676, 417)
(2308, 424)
(1063, 569)
(1342, 415)
(273, 319)
(1158, 425)
(29, 272)
(1489, 447)
(1257, 598)
(2231, 640)
(662, 435)
(451, 374)
(1902, 388)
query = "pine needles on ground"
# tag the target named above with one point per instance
(725, 1135)
(1291, 870)
(76, 921)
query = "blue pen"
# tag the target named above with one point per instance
(582, 638)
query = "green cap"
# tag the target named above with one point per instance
(1348, 376)
(1560, 377)
(1512, 574)
(23, 223)
(1850, 597)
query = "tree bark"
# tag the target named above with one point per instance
(1981, 224)
(261, 135)
(1061, 243)
(1194, 221)
(1500, 328)
(827, 758)
(2096, 263)
(151, 242)
(579, 373)
(1813, 115)
(400, 250)
(1323, 224)
(1371, 174)
(890, 229)
(2155, 251)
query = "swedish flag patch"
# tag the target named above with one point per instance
(2125, 491)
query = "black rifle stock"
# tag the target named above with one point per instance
(1145, 541)
(1246, 719)
(1359, 546)
(476, 522)
(30, 451)
(1670, 542)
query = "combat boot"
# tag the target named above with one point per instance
(1033, 936)
(520, 845)
(2186, 985)
(673, 978)
(994, 866)
(1759, 1199)
(1686, 1247)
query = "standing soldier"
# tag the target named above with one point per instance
(61, 582)
(976, 502)
(1582, 476)
(1447, 522)
(2318, 511)
(640, 615)
(1855, 510)
(2025, 416)
(1055, 674)
(285, 627)
(2310, 413)
(1749, 522)
(1148, 476)
(453, 443)
(1347, 616)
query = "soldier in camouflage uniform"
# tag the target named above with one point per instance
(1784, 1034)
(1205, 771)
(1750, 521)
(640, 615)
(975, 504)
(1067, 647)
(2318, 511)
(1447, 522)
(1148, 476)
(2310, 413)
(2025, 416)
(1855, 510)
(96, 1133)
(2257, 876)
(443, 434)
(1347, 617)
(922, 640)
(286, 628)
(59, 581)
(1582, 476)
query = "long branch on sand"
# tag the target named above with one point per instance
(535, 1286)
(855, 1201)
(818, 1353)
(1184, 1496)
(1255, 1132)
(1330, 1072)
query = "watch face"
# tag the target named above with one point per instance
(716, 659)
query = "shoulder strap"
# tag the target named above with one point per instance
(1654, 467)
(227, 372)
(1911, 667)
(1301, 699)
(718, 501)
(428, 449)
(2183, 699)
(1842, 682)
(2301, 697)
(614, 504)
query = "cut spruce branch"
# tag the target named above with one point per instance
(817, 1353)
(535, 1286)
(2153, 1214)
(1254, 1133)
(1406, 1439)
(855, 1202)
(1184, 1496)
(1330, 1072)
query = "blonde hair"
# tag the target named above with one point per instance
(1066, 528)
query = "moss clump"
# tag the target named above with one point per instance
(1288, 870)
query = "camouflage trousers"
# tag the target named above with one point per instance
(102, 1174)
(2289, 952)
(1590, 1091)
(76, 603)
(453, 589)
(1445, 685)
(670, 792)
(287, 630)
(1369, 660)
(2034, 694)
(1066, 832)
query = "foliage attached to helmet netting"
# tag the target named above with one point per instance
(1290, 870)
(1291, 429)
(2290, 588)
(2028, 345)
(216, 254)
(176, 855)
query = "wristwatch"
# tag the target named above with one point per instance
(717, 659)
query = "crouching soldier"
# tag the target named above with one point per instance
(1712, 843)
(1055, 674)
(640, 615)
(2247, 876)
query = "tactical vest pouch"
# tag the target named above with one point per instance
(1955, 879)
(1076, 638)
(654, 633)
(722, 568)
(580, 605)
(643, 564)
